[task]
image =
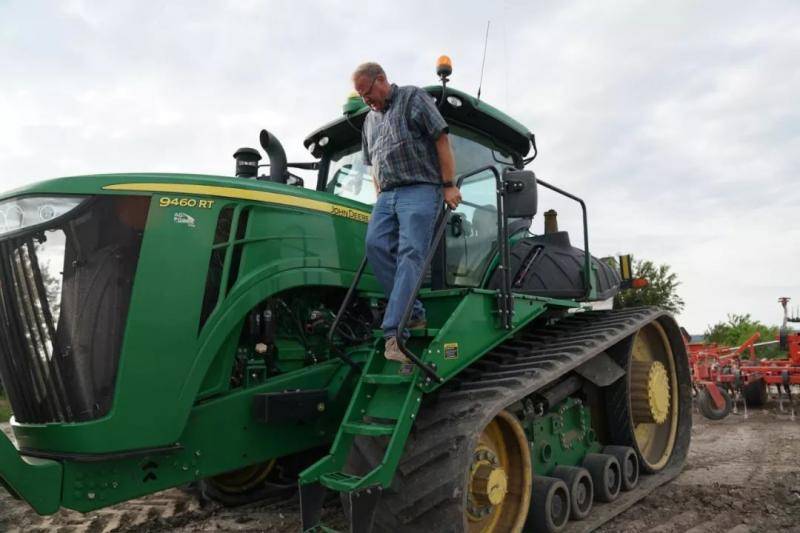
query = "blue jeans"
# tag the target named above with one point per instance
(398, 239)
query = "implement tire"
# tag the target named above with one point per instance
(709, 409)
(755, 393)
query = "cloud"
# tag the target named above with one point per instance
(676, 122)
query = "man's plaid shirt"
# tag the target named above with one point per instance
(400, 141)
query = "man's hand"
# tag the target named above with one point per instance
(452, 196)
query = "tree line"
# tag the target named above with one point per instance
(662, 291)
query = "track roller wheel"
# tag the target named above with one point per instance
(629, 463)
(709, 408)
(581, 489)
(550, 504)
(606, 476)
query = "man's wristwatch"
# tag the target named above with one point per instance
(448, 184)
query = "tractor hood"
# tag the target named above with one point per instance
(219, 186)
(157, 263)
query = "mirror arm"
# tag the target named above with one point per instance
(314, 165)
(532, 138)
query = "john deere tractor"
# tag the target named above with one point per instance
(158, 330)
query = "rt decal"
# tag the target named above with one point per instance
(166, 201)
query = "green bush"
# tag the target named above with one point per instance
(738, 328)
(661, 290)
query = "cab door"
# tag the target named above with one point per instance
(471, 236)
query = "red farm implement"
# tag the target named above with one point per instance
(723, 377)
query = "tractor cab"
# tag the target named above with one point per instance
(488, 145)
(480, 135)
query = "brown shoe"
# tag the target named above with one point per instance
(393, 353)
(417, 323)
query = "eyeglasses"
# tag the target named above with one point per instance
(369, 90)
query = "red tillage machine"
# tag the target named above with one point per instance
(722, 376)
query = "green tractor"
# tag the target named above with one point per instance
(158, 330)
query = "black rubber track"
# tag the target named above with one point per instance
(428, 491)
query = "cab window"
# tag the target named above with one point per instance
(472, 231)
(349, 177)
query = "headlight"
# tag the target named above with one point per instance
(454, 101)
(20, 213)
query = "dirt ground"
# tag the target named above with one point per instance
(743, 474)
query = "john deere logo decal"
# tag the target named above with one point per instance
(183, 218)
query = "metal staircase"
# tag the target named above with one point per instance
(384, 404)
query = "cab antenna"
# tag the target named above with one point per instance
(483, 63)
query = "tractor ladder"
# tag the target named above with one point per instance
(383, 406)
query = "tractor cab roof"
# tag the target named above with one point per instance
(459, 109)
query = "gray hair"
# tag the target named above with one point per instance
(371, 70)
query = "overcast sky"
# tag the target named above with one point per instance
(677, 122)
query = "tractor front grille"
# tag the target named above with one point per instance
(64, 293)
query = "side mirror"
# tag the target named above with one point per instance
(521, 200)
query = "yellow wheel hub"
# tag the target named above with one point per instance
(489, 483)
(499, 478)
(650, 398)
(658, 392)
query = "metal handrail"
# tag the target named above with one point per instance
(506, 304)
(587, 257)
(401, 341)
(345, 303)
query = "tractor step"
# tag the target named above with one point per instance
(340, 481)
(386, 379)
(361, 505)
(368, 429)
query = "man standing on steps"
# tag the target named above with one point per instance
(404, 140)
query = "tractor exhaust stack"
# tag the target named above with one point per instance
(277, 157)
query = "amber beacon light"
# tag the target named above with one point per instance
(444, 66)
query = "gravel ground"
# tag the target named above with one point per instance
(743, 474)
